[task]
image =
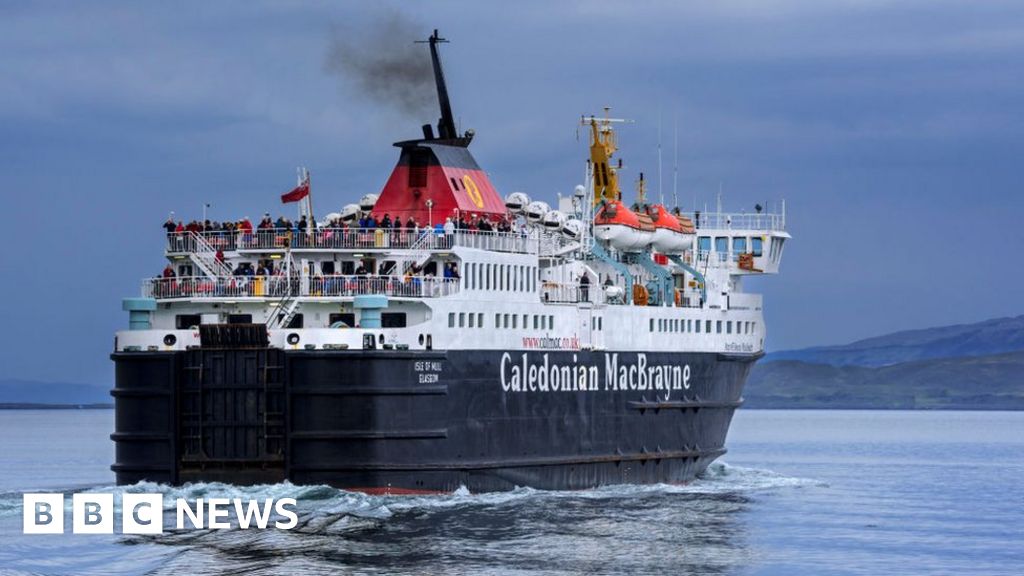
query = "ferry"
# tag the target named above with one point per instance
(480, 341)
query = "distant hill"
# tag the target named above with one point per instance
(990, 337)
(994, 382)
(15, 392)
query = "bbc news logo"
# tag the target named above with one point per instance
(144, 513)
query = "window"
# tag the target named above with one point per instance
(186, 321)
(497, 320)
(739, 245)
(506, 320)
(698, 326)
(239, 318)
(728, 327)
(462, 319)
(704, 244)
(451, 319)
(551, 322)
(536, 322)
(515, 320)
(296, 321)
(392, 320)
(349, 319)
(707, 326)
(722, 244)
(472, 320)
(652, 324)
(755, 245)
(487, 276)
(718, 327)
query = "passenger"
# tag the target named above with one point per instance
(169, 272)
(170, 226)
(584, 288)
(386, 221)
(449, 229)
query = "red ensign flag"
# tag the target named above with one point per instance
(300, 192)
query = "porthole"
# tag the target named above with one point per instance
(293, 338)
(421, 339)
(170, 340)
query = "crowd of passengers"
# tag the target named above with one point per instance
(367, 222)
(264, 279)
(267, 268)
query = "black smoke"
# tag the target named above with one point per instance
(382, 62)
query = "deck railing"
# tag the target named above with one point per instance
(354, 239)
(192, 287)
(737, 221)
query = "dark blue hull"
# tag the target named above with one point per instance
(402, 421)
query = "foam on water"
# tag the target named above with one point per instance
(317, 503)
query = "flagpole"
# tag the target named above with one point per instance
(309, 204)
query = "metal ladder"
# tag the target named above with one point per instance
(204, 255)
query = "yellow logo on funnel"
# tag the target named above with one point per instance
(472, 191)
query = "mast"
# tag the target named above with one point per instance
(602, 147)
(446, 124)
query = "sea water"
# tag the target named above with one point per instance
(800, 492)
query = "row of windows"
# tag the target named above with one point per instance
(691, 326)
(739, 245)
(476, 320)
(514, 278)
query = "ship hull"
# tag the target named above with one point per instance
(424, 421)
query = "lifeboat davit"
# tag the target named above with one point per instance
(670, 234)
(623, 229)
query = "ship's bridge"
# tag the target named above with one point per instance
(742, 242)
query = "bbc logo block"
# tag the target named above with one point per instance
(95, 513)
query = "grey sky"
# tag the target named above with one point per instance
(892, 129)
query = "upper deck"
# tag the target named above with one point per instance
(280, 240)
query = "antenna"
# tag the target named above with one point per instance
(675, 164)
(661, 194)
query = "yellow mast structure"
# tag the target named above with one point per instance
(602, 147)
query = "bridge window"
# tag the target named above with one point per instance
(739, 245)
(755, 245)
(722, 244)
(704, 244)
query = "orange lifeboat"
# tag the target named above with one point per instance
(670, 234)
(623, 229)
